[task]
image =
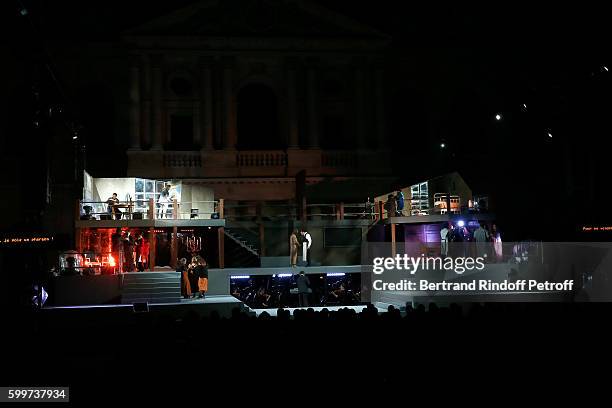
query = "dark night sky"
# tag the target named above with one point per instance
(469, 61)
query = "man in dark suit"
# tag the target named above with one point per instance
(303, 286)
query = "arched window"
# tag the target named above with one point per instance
(334, 133)
(258, 127)
(181, 132)
(181, 87)
(332, 88)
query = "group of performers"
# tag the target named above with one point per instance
(134, 248)
(194, 277)
(164, 204)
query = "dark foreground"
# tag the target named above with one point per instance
(150, 356)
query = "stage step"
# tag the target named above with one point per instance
(151, 287)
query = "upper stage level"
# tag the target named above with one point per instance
(221, 212)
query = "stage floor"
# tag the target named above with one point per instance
(208, 300)
(222, 304)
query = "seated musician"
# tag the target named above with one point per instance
(338, 293)
(263, 298)
(113, 202)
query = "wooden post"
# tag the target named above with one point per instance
(304, 215)
(77, 210)
(262, 242)
(151, 248)
(151, 209)
(221, 210)
(380, 210)
(393, 249)
(174, 247)
(221, 238)
(341, 211)
(77, 231)
(175, 211)
(338, 212)
(77, 240)
(259, 211)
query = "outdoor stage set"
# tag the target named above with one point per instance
(127, 249)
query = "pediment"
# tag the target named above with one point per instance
(256, 18)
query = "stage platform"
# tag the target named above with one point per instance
(203, 307)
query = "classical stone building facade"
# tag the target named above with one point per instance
(253, 98)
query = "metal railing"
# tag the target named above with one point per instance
(148, 210)
(247, 212)
(102, 210)
(213, 209)
(204, 209)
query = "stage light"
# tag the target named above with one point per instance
(240, 277)
(336, 274)
(524, 107)
(461, 223)
(40, 300)
(549, 135)
(442, 145)
(23, 11)
(605, 68)
(498, 117)
(75, 137)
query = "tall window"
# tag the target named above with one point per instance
(334, 135)
(181, 132)
(258, 118)
(146, 189)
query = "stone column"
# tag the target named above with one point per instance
(379, 108)
(157, 142)
(134, 103)
(229, 106)
(293, 141)
(145, 133)
(206, 97)
(197, 123)
(311, 106)
(359, 105)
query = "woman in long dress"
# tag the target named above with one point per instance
(185, 285)
(294, 247)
